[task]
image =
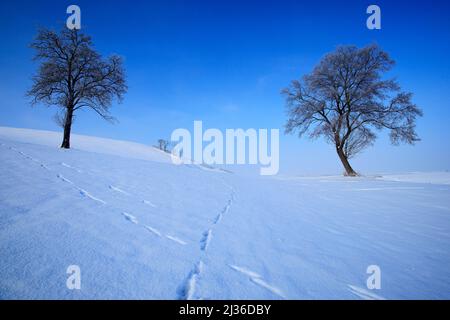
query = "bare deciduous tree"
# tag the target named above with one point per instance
(72, 75)
(60, 118)
(163, 145)
(345, 99)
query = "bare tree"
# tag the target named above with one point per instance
(72, 75)
(163, 145)
(345, 99)
(60, 118)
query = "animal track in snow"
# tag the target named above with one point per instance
(30, 158)
(257, 279)
(60, 176)
(245, 271)
(227, 208)
(71, 167)
(130, 217)
(188, 290)
(88, 195)
(364, 294)
(224, 210)
(218, 218)
(267, 286)
(175, 239)
(82, 191)
(148, 203)
(153, 230)
(119, 190)
(205, 240)
(160, 234)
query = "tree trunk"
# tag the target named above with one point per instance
(67, 127)
(348, 168)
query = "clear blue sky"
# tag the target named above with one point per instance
(225, 62)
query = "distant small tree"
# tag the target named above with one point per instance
(163, 145)
(72, 75)
(345, 99)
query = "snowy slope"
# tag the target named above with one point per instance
(140, 227)
(85, 143)
(420, 177)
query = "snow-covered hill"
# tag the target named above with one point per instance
(140, 227)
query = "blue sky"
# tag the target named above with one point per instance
(225, 62)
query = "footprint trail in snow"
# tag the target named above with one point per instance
(188, 288)
(257, 279)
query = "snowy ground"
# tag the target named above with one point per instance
(141, 227)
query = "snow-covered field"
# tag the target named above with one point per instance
(140, 227)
